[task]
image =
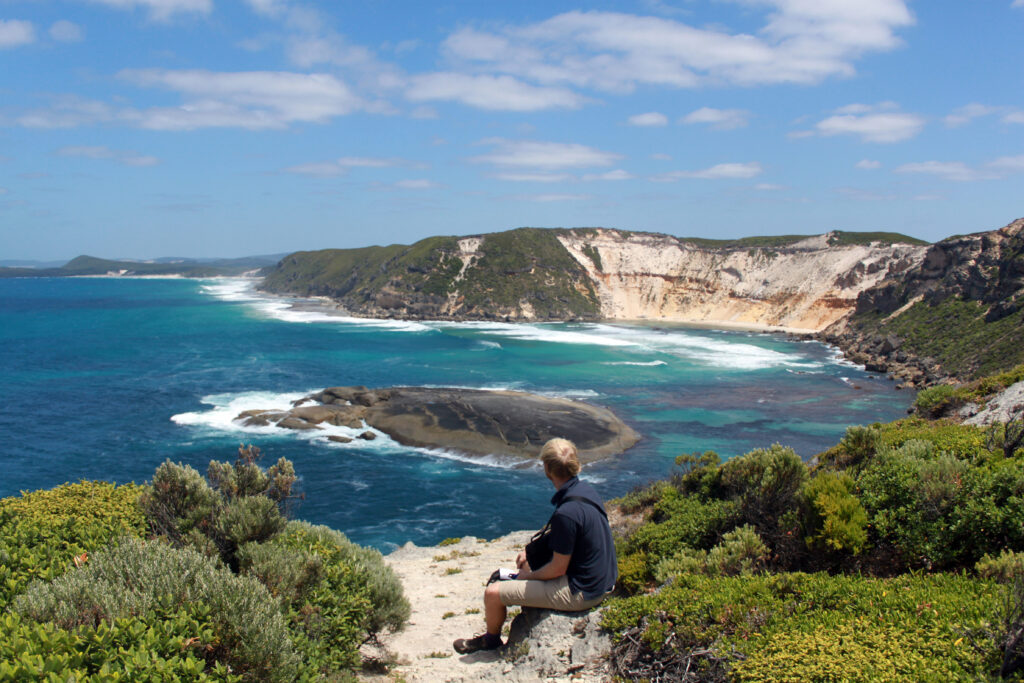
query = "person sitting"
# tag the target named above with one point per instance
(583, 567)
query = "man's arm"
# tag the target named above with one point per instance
(552, 570)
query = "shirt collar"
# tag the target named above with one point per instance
(564, 490)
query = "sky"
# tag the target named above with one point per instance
(203, 128)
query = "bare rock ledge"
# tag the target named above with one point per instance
(472, 421)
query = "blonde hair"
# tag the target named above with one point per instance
(559, 458)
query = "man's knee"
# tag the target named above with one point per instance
(492, 595)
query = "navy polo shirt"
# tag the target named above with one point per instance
(579, 530)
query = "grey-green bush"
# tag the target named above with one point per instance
(135, 578)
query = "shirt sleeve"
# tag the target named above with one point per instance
(563, 534)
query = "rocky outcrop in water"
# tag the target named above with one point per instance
(472, 421)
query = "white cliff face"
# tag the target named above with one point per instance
(804, 286)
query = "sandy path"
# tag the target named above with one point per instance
(445, 586)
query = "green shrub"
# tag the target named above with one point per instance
(1007, 567)
(764, 482)
(43, 532)
(337, 594)
(937, 400)
(834, 520)
(244, 504)
(741, 552)
(137, 579)
(763, 627)
(167, 646)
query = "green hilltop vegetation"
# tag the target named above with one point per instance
(898, 555)
(525, 265)
(187, 578)
(836, 238)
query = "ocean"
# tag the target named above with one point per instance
(106, 378)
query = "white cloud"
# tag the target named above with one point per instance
(649, 119)
(544, 155)
(1014, 116)
(341, 166)
(254, 100)
(101, 152)
(552, 197)
(716, 172)
(496, 93)
(1017, 3)
(967, 113)
(617, 174)
(536, 177)
(769, 187)
(1009, 164)
(661, 156)
(872, 124)
(868, 165)
(424, 113)
(66, 32)
(800, 42)
(15, 33)
(720, 119)
(162, 10)
(417, 184)
(948, 170)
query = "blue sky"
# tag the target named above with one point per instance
(144, 128)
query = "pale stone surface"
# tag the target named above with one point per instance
(1002, 407)
(802, 287)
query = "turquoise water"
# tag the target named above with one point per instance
(106, 378)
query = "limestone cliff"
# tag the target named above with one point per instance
(805, 285)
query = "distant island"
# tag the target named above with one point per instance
(165, 267)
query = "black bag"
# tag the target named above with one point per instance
(538, 550)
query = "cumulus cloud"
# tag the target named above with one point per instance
(719, 119)
(799, 42)
(960, 172)
(102, 152)
(882, 123)
(15, 33)
(544, 156)
(652, 118)
(949, 170)
(1014, 116)
(64, 31)
(617, 174)
(535, 177)
(551, 197)
(341, 166)
(162, 10)
(1017, 3)
(254, 100)
(496, 93)
(868, 164)
(968, 113)
(416, 184)
(717, 172)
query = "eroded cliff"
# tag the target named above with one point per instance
(804, 285)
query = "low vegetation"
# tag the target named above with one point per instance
(897, 556)
(189, 578)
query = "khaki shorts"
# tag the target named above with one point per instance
(554, 594)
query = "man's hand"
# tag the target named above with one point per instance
(552, 570)
(521, 561)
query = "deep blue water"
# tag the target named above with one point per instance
(106, 378)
